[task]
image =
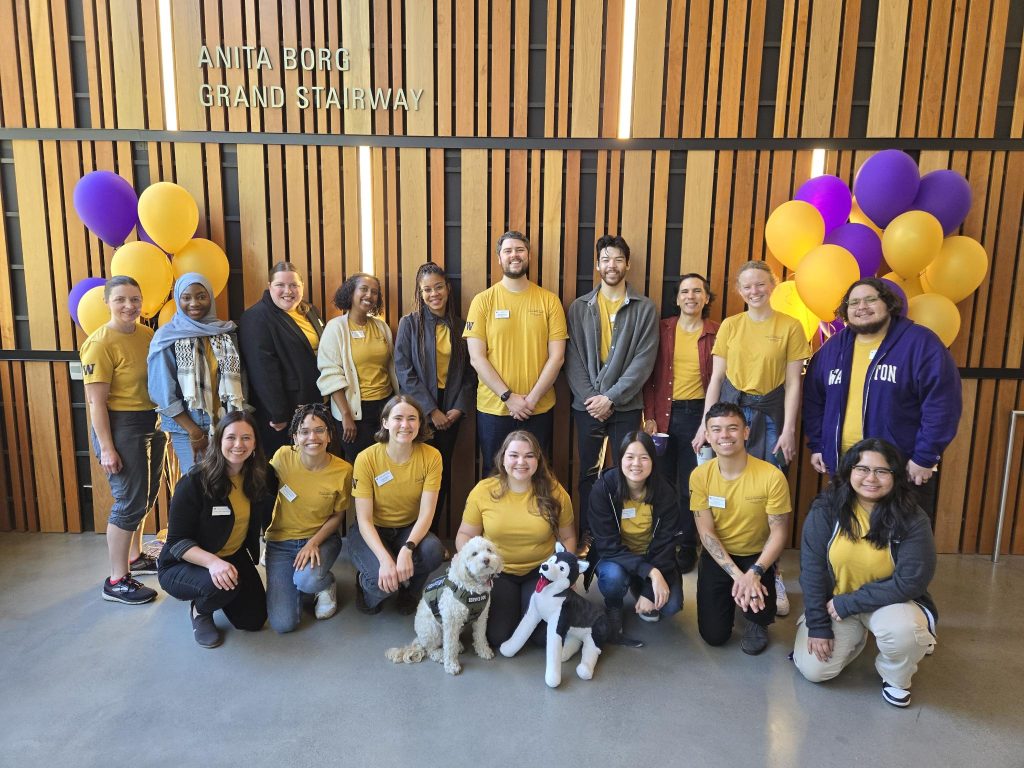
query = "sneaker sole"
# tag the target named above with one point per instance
(114, 599)
(147, 572)
(901, 703)
(217, 644)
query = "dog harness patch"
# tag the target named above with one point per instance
(475, 602)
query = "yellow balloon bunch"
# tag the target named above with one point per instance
(151, 270)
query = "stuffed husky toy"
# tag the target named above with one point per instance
(573, 623)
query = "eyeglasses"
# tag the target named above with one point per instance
(318, 431)
(867, 301)
(879, 473)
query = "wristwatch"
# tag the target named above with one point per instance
(757, 569)
(504, 397)
(410, 545)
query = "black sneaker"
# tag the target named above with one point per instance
(127, 590)
(361, 605)
(143, 565)
(204, 629)
(754, 640)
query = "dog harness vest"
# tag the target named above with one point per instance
(474, 601)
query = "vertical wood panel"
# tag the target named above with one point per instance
(649, 69)
(697, 197)
(35, 243)
(419, 63)
(889, 50)
(822, 59)
(413, 193)
(474, 247)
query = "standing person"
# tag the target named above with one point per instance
(303, 540)
(124, 435)
(524, 510)
(195, 373)
(395, 484)
(865, 563)
(674, 401)
(280, 334)
(357, 363)
(516, 336)
(757, 361)
(610, 354)
(743, 513)
(882, 376)
(213, 532)
(635, 515)
(432, 364)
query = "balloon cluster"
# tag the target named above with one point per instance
(831, 238)
(165, 218)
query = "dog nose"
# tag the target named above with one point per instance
(487, 561)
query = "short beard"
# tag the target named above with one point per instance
(524, 272)
(868, 329)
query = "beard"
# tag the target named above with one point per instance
(868, 329)
(521, 272)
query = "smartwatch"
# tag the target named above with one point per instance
(410, 545)
(504, 397)
(757, 569)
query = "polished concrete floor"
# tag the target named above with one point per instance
(91, 683)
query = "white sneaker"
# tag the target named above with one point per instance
(326, 602)
(781, 598)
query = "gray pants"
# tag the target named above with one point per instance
(141, 447)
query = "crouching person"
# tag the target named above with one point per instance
(213, 532)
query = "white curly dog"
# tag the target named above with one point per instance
(449, 603)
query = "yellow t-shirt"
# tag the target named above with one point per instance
(607, 309)
(371, 356)
(740, 507)
(119, 359)
(240, 509)
(637, 526)
(306, 498)
(853, 420)
(517, 328)
(523, 538)
(856, 563)
(306, 327)
(756, 353)
(686, 382)
(396, 488)
(443, 342)
(211, 363)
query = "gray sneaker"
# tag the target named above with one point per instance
(128, 591)
(754, 640)
(204, 629)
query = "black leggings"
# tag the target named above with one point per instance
(510, 598)
(245, 605)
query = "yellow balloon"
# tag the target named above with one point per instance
(911, 287)
(958, 269)
(857, 216)
(169, 215)
(937, 312)
(205, 257)
(823, 278)
(786, 299)
(167, 312)
(792, 230)
(911, 241)
(151, 270)
(92, 311)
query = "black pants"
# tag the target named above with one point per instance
(491, 432)
(927, 497)
(510, 598)
(680, 460)
(716, 608)
(590, 435)
(444, 441)
(245, 605)
(366, 428)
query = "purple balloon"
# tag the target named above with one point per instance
(899, 292)
(946, 195)
(81, 288)
(107, 205)
(886, 186)
(831, 196)
(862, 242)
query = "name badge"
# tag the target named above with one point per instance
(628, 512)
(611, 319)
(358, 334)
(871, 354)
(501, 314)
(221, 511)
(384, 477)
(718, 502)
(288, 493)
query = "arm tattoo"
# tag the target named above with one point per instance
(775, 521)
(714, 548)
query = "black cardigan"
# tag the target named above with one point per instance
(279, 360)
(417, 368)
(191, 522)
(605, 511)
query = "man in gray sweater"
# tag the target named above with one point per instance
(613, 340)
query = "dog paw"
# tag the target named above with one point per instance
(584, 672)
(452, 668)
(485, 652)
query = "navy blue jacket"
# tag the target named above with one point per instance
(911, 394)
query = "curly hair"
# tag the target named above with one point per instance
(343, 296)
(426, 432)
(612, 241)
(891, 298)
(316, 410)
(543, 481)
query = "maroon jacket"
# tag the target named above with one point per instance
(658, 389)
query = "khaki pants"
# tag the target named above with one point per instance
(900, 630)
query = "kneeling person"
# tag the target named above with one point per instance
(743, 511)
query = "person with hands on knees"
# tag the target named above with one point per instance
(523, 510)
(213, 532)
(303, 540)
(635, 517)
(866, 559)
(124, 435)
(395, 484)
(743, 513)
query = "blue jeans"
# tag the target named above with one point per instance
(285, 584)
(771, 434)
(180, 440)
(614, 581)
(141, 447)
(425, 559)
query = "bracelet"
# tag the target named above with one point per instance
(197, 440)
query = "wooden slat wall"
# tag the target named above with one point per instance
(699, 73)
